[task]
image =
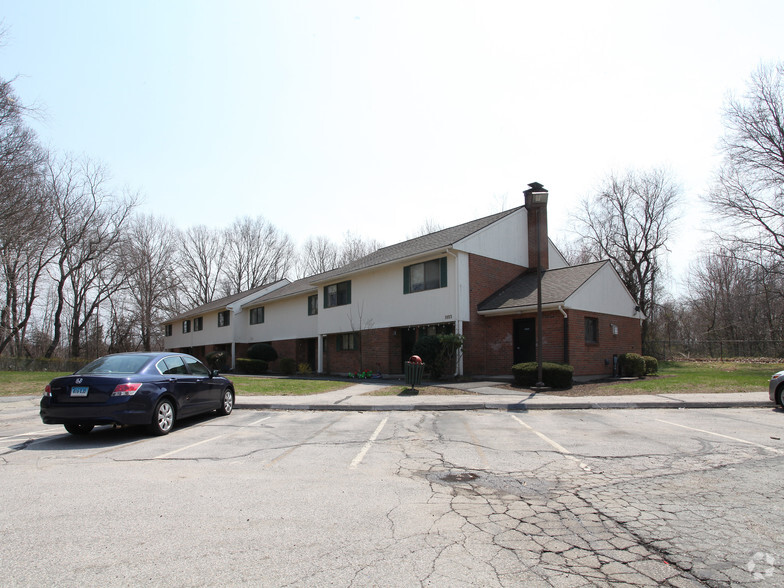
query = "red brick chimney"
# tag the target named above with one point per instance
(536, 206)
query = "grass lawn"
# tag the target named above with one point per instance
(250, 386)
(687, 377)
(33, 384)
(26, 383)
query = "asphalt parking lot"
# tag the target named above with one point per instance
(458, 498)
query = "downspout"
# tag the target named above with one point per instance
(458, 322)
(565, 333)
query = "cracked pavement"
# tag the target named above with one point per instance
(563, 498)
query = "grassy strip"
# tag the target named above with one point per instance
(686, 377)
(26, 383)
(424, 391)
(249, 386)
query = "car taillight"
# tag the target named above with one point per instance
(128, 389)
(48, 390)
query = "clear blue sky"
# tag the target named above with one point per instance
(373, 116)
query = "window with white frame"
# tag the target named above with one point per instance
(186, 326)
(198, 323)
(224, 318)
(337, 294)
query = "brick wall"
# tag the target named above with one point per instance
(380, 352)
(596, 358)
(485, 337)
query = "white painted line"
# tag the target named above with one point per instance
(773, 449)
(189, 446)
(558, 447)
(260, 421)
(361, 455)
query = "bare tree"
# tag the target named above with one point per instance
(88, 226)
(355, 247)
(149, 255)
(201, 257)
(748, 195)
(629, 221)
(430, 225)
(257, 253)
(318, 255)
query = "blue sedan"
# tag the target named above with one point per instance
(152, 389)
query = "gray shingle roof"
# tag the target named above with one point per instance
(219, 304)
(557, 286)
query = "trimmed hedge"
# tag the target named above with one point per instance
(632, 365)
(263, 351)
(554, 375)
(651, 365)
(251, 366)
(287, 366)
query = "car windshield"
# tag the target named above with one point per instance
(115, 364)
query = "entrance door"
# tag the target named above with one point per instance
(312, 347)
(524, 340)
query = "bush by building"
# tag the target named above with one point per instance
(251, 366)
(554, 375)
(263, 351)
(632, 365)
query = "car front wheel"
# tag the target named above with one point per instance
(162, 418)
(780, 396)
(79, 429)
(227, 402)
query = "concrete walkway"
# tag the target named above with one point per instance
(489, 396)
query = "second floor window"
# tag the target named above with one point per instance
(186, 326)
(257, 315)
(198, 323)
(224, 319)
(167, 331)
(427, 275)
(337, 294)
(313, 305)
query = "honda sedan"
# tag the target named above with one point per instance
(152, 389)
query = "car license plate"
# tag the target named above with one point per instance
(79, 391)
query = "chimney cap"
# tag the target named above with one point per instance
(536, 195)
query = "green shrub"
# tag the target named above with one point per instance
(251, 366)
(632, 365)
(287, 366)
(303, 369)
(651, 365)
(263, 351)
(439, 352)
(216, 360)
(554, 375)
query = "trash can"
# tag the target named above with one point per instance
(413, 371)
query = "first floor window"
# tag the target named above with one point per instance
(428, 275)
(591, 330)
(257, 315)
(186, 326)
(198, 323)
(167, 330)
(348, 342)
(224, 319)
(337, 294)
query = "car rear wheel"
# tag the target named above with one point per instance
(227, 402)
(780, 396)
(79, 429)
(162, 418)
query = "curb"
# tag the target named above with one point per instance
(515, 407)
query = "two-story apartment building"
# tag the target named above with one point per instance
(477, 279)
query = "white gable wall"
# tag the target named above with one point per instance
(506, 240)
(604, 292)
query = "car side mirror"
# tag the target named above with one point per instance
(214, 374)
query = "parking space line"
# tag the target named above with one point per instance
(558, 447)
(189, 446)
(773, 449)
(253, 424)
(365, 448)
